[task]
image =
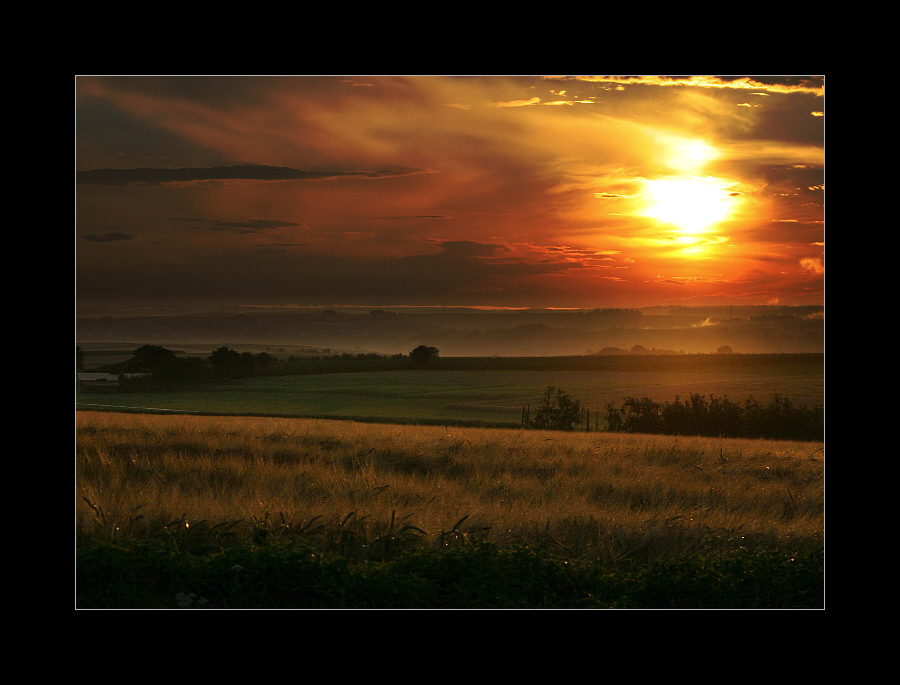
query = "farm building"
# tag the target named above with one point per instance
(96, 381)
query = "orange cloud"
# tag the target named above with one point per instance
(418, 170)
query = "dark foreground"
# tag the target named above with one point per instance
(153, 575)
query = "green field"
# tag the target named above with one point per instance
(492, 393)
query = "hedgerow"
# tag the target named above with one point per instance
(777, 419)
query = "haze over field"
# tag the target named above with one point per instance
(468, 332)
(230, 193)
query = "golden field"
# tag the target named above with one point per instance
(606, 496)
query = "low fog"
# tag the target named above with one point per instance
(477, 332)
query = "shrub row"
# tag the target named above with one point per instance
(777, 419)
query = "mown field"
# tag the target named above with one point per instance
(228, 512)
(488, 390)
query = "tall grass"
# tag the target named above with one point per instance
(359, 488)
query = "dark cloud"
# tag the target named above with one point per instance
(108, 132)
(255, 172)
(249, 226)
(419, 216)
(469, 249)
(794, 175)
(458, 268)
(798, 81)
(110, 237)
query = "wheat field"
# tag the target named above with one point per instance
(606, 496)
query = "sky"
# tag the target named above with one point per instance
(448, 190)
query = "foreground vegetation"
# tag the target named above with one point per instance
(252, 512)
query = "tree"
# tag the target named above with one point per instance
(423, 355)
(153, 359)
(225, 361)
(557, 411)
(159, 368)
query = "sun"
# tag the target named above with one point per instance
(690, 205)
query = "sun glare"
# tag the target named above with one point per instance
(691, 205)
(689, 155)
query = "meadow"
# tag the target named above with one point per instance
(271, 512)
(488, 390)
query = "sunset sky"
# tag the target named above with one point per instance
(506, 191)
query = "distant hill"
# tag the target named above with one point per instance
(476, 332)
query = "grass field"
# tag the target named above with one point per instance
(495, 393)
(341, 514)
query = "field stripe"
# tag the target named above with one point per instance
(119, 406)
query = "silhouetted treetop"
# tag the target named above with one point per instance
(424, 354)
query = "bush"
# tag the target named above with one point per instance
(557, 411)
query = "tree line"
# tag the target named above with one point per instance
(778, 419)
(156, 368)
(153, 367)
